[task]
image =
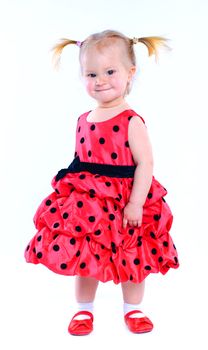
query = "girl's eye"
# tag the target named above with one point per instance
(91, 75)
(110, 71)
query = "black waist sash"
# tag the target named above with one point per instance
(96, 168)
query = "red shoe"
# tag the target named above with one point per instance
(81, 327)
(136, 324)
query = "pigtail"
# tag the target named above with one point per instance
(58, 48)
(153, 44)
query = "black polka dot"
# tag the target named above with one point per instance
(34, 250)
(72, 241)
(97, 232)
(115, 207)
(131, 277)
(28, 247)
(176, 259)
(111, 259)
(127, 143)
(82, 176)
(79, 128)
(78, 253)
(75, 154)
(139, 244)
(152, 234)
(92, 127)
(92, 191)
(39, 238)
(88, 238)
(174, 246)
(149, 195)
(147, 267)
(157, 217)
(163, 199)
(131, 231)
(78, 228)
(120, 196)
(82, 265)
(165, 244)
(82, 140)
(130, 117)
(136, 261)
(111, 216)
(89, 153)
(108, 184)
(56, 247)
(116, 128)
(63, 266)
(65, 215)
(53, 210)
(113, 247)
(124, 262)
(55, 236)
(91, 218)
(114, 155)
(39, 255)
(101, 140)
(97, 175)
(57, 191)
(56, 225)
(139, 239)
(154, 251)
(97, 256)
(80, 204)
(160, 259)
(48, 202)
(102, 246)
(105, 209)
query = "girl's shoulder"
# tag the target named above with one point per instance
(83, 115)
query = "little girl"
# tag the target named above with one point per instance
(107, 219)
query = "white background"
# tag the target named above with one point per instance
(39, 108)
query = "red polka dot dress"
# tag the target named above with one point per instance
(79, 225)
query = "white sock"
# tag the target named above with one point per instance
(84, 307)
(130, 307)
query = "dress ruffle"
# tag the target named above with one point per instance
(79, 230)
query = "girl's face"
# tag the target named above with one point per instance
(105, 75)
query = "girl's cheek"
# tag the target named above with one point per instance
(89, 85)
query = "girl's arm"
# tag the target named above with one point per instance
(141, 149)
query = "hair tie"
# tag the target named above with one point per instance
(135, 40)
(79, 43)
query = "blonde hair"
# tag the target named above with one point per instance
(108, 37)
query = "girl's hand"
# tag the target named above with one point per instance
(132, 214)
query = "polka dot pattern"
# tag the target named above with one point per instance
(79, 225)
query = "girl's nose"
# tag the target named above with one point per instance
(100, 80)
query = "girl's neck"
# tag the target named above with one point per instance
(101, 113)
(112, 106)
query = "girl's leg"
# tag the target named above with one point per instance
(132, 295)
(132, 292)
(85, 289)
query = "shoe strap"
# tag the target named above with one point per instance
(87, 313)
(132, 313)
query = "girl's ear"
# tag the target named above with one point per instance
(132, 71)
